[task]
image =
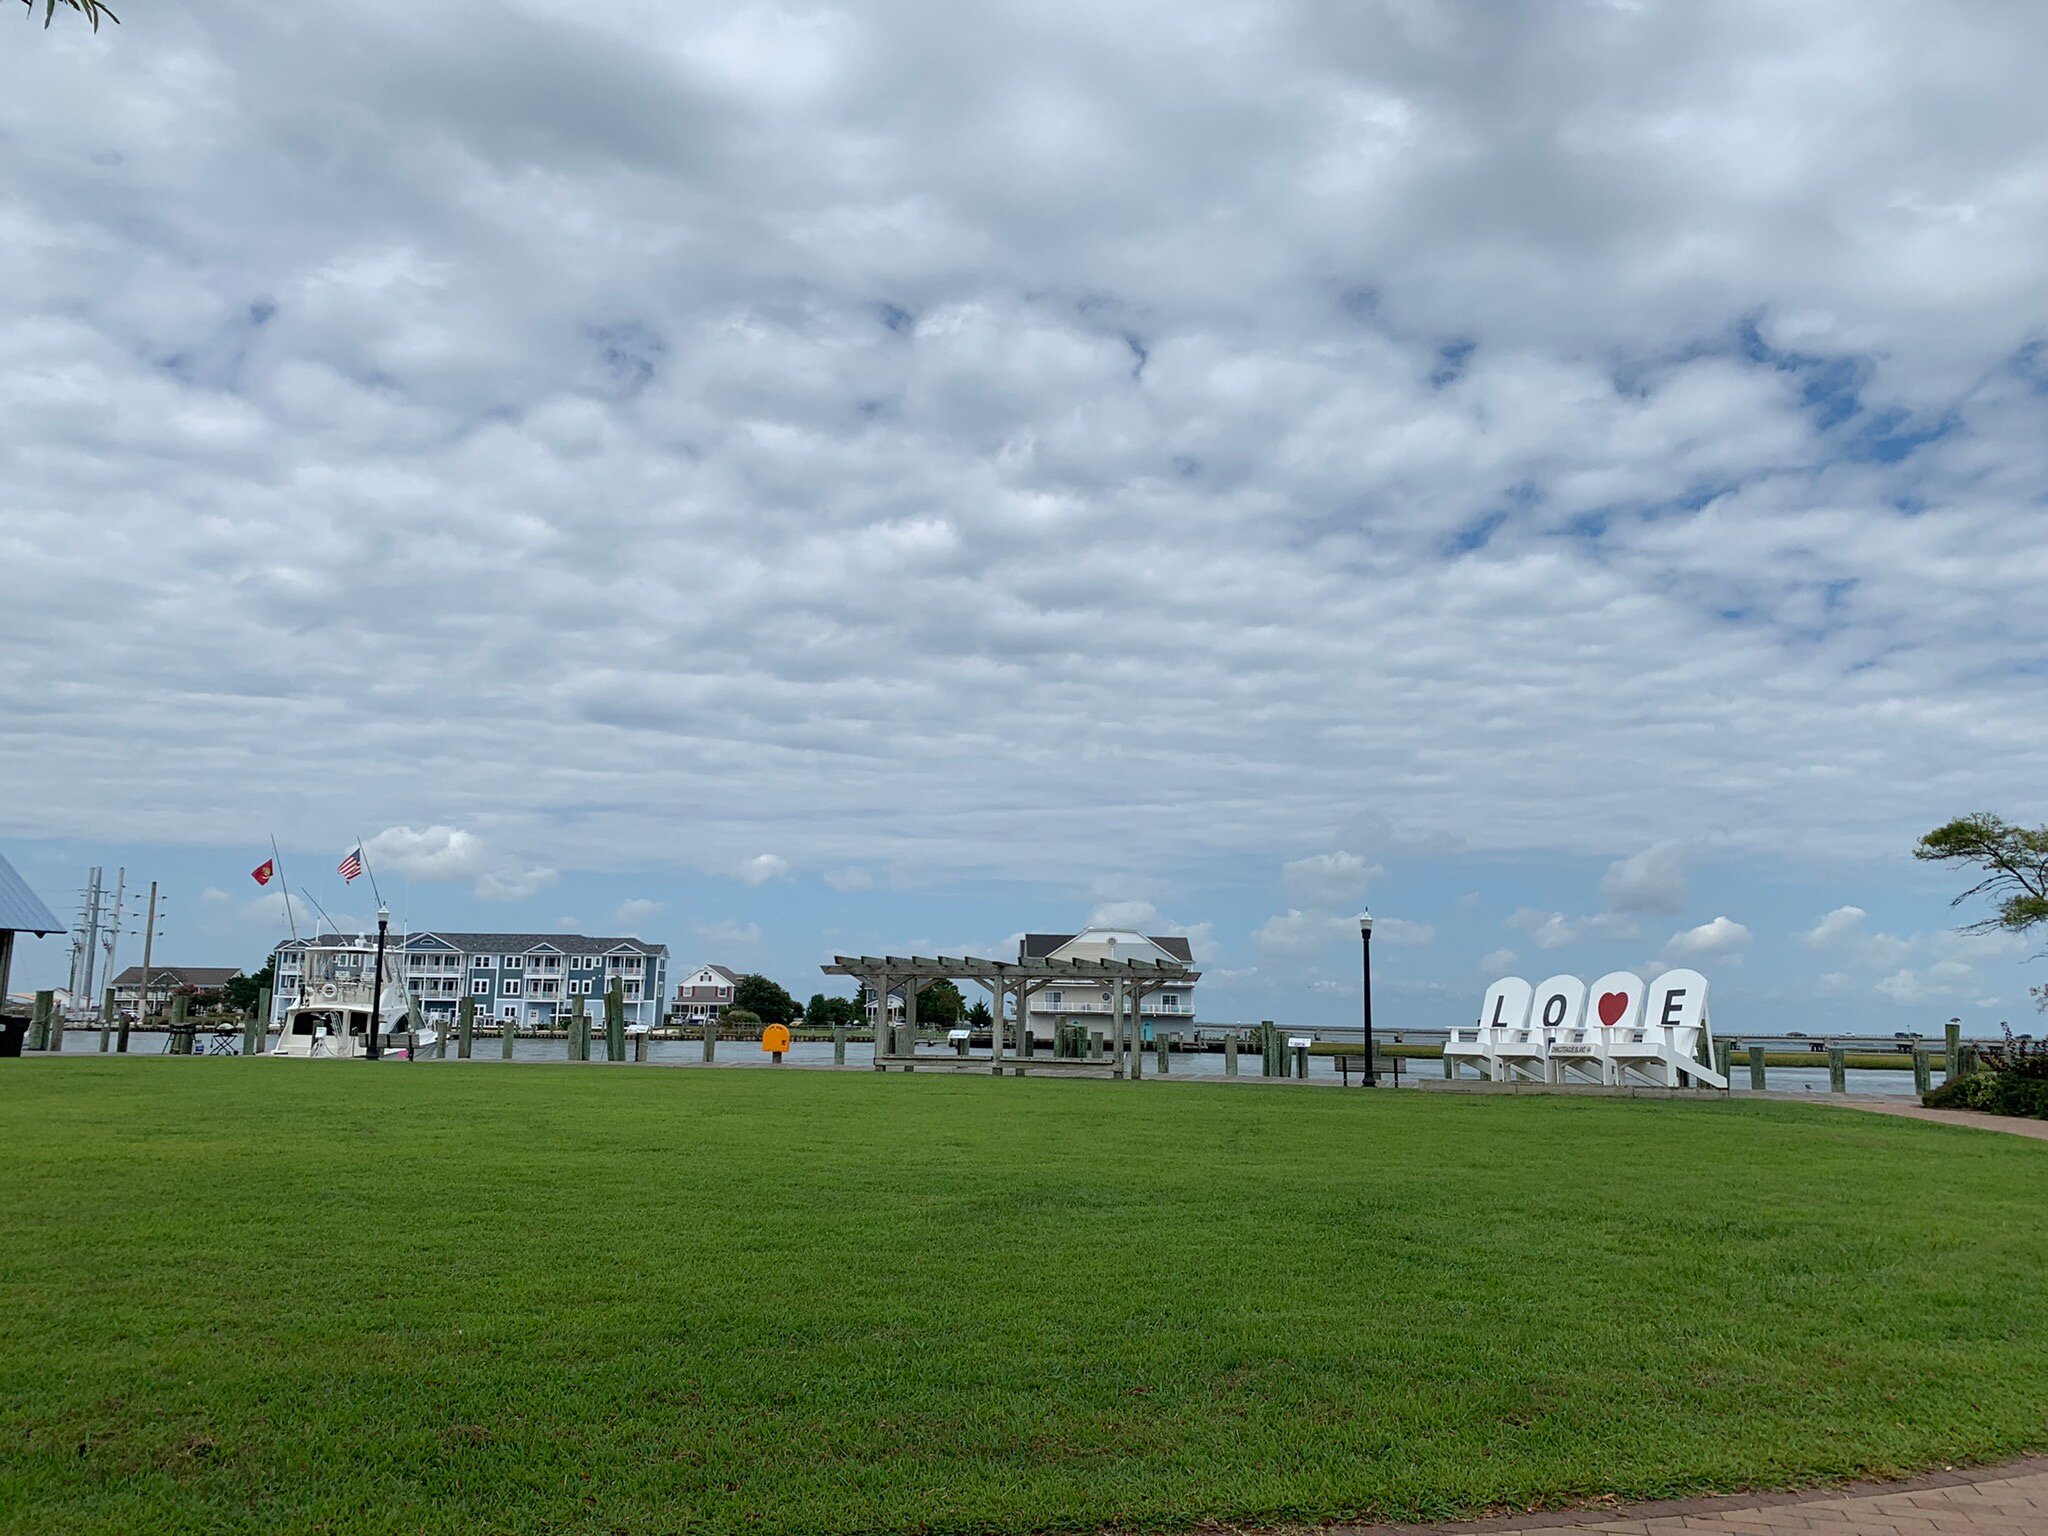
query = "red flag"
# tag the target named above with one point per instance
(262, 872)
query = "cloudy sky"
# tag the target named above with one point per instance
(777, 477)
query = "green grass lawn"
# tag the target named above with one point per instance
(259, 1295)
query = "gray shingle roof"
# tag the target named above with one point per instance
(510, 943)
(1038, 945)
(204, 976)
(20, 908)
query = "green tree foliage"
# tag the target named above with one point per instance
(2013, 864)
(241, 993)
(765, 999)
(978, 1017)
(941, 1005)
(737, 1016)
(827, 1012)
(91, 10)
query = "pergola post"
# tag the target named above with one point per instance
(1116, 1027)
(1001, 990)
(1136, 1022)
(878, 984)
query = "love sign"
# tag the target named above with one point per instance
(1619, 1030)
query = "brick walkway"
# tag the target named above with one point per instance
(1906, 1109)
(1997, 1501)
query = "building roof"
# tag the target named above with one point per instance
(499, 943)
(726, 971)
(20, 908)
(1038, 945)
(206, 977)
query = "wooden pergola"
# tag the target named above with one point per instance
(1129, 981)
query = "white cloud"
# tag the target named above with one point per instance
(1496, 516)
(729, 934)
(637, 910)
(1401, 931)
(452, 855)
(1295, 932)
(1327, 878)
(1943, 979)
(1720, 938)
(1651, 881)
(1836, 926)
(850, 879)
(761, 868)
(1546, 930)
(1124, 914)
(1497, 962)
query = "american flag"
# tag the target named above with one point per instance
(351, 866)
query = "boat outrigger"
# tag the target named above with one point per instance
(331, 1016)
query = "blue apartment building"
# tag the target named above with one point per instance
(531, 980)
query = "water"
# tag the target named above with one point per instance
(1201, 1064)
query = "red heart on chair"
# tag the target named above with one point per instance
(1612, 1006)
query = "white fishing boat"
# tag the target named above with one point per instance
(330, 1019)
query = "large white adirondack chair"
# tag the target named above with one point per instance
(1614, 1011)
(1665, 1048)
(1524, 1052)
(1506, 1007)
(1570, 1056)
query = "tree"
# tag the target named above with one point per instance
(91, 10)
(830, 1012)
(940, 1004)
(764, 999)
(2014, 864)
(978, 1017)
(243, 993)
(738, 1017)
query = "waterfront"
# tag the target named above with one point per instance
(860, 1055)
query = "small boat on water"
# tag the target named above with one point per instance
(331, 1018)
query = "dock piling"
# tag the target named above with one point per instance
(508, 1036)
(1923, 1070)
(615, 1022)
(1838, 1069)
(710, 1040)
(1230, 1055)
(39, 1021)
(465, 1024)
(1757, 1058)
(839, 1044)
(107, 1016)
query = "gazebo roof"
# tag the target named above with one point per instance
(20, 909)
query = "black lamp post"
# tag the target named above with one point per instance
(377, 984)
(1365, 954)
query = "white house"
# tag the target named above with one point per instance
(1088, 1003)
(705, 993)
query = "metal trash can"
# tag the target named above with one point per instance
(12, 1033)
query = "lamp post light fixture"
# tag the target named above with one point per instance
(1365, 956)
(376, 1050)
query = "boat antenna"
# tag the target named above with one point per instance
(278, 859)
(332, 925)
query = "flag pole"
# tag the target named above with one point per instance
(368, 871)
(286, 890)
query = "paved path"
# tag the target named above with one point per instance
(1997, 1501)
(1906, 1109)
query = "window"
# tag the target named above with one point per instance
(482, 962)
(1170, 1002)
(1055, 997)
(514, 962)
(510, 987)
(481, 986)
(511, 1013)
